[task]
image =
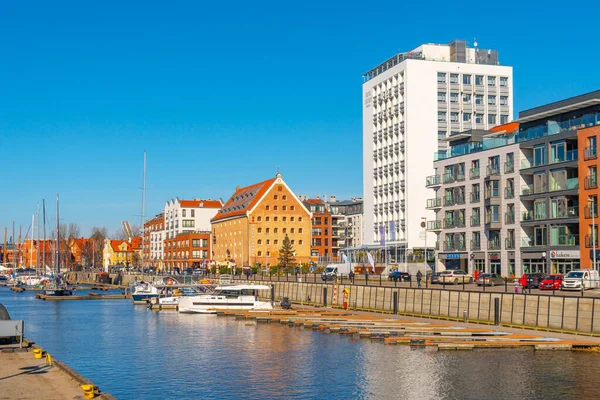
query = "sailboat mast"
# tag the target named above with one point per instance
(57, 238)
(31, 241)
(37, 246)
(44, 245)
(143, 209)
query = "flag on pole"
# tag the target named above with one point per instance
(371, 261)
(393, 231)
(382, 235)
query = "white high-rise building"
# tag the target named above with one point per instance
(411, 102)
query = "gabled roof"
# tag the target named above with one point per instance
(313, 201)
(116, 243)
(197, 203)
(136, 243)
(243, 200)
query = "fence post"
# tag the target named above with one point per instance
(395, 302)
(325, 297)
(272, 293)
(496, 311)
(379, 280)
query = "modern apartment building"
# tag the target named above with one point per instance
(154, 235)
(189, 215)
(187, 250)
(321, 238)
(547, 172)
(410, 103)
(476, 203)
(347, 225)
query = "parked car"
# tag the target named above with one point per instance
(399, 276)
(489, 280)
(455, 276)
(552, 282)
(435, 277)
(529, 281)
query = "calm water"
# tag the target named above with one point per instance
(134, 353)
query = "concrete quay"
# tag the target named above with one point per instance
(23, 376)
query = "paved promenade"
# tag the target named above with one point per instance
(24, 377)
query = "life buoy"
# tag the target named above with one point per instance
(170, 282)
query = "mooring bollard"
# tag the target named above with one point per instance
(496, 311)
(354, 305)
(324, 297)
(395, 303)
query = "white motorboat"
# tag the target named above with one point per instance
(171, 296)
(227, 297)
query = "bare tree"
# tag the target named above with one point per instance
(93, 250)
(136, 230)
(73, 231)
(118, 235)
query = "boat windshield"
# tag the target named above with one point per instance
(236, 292)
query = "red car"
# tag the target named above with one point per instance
(551, 282)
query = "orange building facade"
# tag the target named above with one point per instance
(588, 194)
(321, 225)
(253, 223)
(187, 250)
(153, 241)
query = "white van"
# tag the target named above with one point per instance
(581, 279)
(332, 271)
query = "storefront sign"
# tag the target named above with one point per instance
(554, 254)
(452, 256)
(494, 256)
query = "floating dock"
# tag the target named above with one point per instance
(438, 336)
(94, 296)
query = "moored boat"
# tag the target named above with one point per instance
(227, 297)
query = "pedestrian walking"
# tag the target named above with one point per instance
(419, 277)
(516, 285)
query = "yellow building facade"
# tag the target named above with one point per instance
(253, 223)
(117, 252)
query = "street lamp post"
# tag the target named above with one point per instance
(593, 231)
(424, 226)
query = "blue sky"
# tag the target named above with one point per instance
(220, 94)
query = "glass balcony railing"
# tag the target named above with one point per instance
(590, 153)
(434, 225)
(509, 167)
(494, 244)
(570, 155)
(434, 203)
(509, 193)
(509, 243)
(474, 173)
(527, 216)
(493, 170)
(432, 180)
(509, 218)
(449, 178)
(558, 127)
(475, 197)
(492, 218)
(475, 221)
(475, 245)
(565, 240)
(591, 241)
(590, 182)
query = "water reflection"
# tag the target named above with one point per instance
(135, 353)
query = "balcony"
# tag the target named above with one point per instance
(526, 163)
(509, 167)
(565, 240)
(494, 244)
(590, 182)
(570, 155)
(475, 245)
(492, 194)
(455, 246)
(474, 173)
(460, 177)
(526, 190)
(509, 218)
(460, 223)
(434, 225)
(590, 153)
(433, 180)
(450, 223)
(509, 243)
(460, 199)
(475, 221)
(434, 203)
(569, 184)
(509, 193)
(454, 200)
(493, 220)
(493, 170)
(475, 197)
(591, 241)
(449, 178)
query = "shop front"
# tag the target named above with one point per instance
(454, 261)
(563, 261)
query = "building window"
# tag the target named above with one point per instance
(275, 197)
(300, 220)
(491, 118)
(268, 253)
(268, 241)
(259, 241)
(284, 219)
(300, 242)
(193, 213)
(292, 242)
(491, 81)
(441, 135)
(504, 119)
(275, 219)
(441, 97)
(503, 100)
(299, 230)
(466, 79)
(492, 100)
(280, 188)
(183, 213)
(267, 219)
(479, 79)
(466, 98)
(454, 117)
(275, 241)
(479, 99)
(259, 253)
(259, 230)
(275, 230)
(453, 78)
(267, 230)
(267, 208)
(467, 117)
(441, 116)
(503, 81)
(292, 208)
(259, 219)
(292, 219)
(284, 230)
(284, 197)
(284, 208)
(441, 77)
(291, 230)
(453, 97)
(479, 118)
